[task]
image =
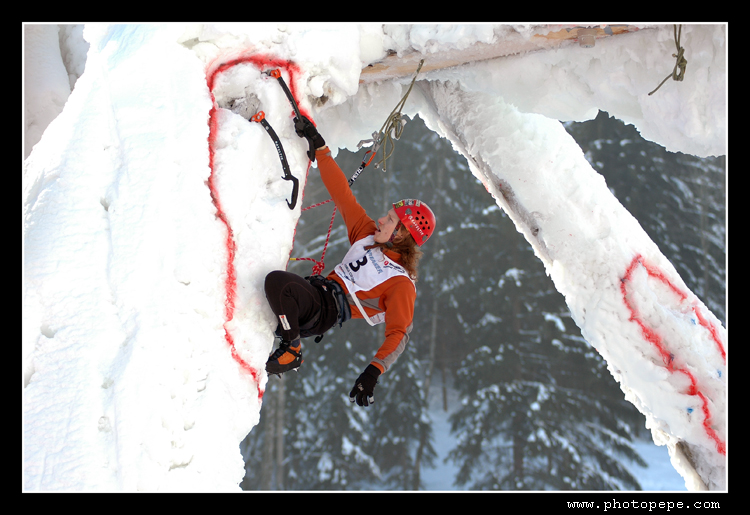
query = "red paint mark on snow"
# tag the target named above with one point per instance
(264, 63)
(712, 329)
(667, 357)
(214, 70)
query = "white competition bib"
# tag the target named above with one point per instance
(363, 270)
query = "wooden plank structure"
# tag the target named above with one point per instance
(394, 66)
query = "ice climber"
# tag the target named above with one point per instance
(375, 281)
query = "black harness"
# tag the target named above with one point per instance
(339, 296)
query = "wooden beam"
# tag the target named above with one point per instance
(394, 66)
(602, 31)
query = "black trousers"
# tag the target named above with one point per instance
(301, 309)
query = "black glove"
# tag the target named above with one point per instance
(305, 129)
(364, 386)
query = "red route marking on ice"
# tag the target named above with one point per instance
(230, 285)
(657, 342)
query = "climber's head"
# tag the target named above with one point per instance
(403, 230)
(389, 228)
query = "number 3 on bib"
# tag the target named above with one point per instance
(359, 263)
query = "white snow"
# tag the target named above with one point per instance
(145, 328)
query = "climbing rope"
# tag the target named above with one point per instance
(680, 64)
(319, 266)
(393, 126)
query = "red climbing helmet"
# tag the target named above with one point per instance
(417, 217)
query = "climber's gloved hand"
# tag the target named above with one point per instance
(364, 386)
(305, 129)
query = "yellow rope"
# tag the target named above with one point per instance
(681, 61)
(394, 125)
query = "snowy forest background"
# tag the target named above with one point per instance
(490, 330)
(533, 406)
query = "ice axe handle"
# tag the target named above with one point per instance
(276, 74)
(299, 126)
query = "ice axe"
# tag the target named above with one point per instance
(298, 122)
(260, 117)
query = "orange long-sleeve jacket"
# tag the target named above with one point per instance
(396, 296)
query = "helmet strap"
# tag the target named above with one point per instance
(389, 243)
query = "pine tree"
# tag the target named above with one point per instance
(533, 415)
(328, 438)
(398, 425)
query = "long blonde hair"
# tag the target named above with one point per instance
(407, 248)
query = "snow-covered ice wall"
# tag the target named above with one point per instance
(150, 222)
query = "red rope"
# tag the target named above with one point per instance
(320, 265)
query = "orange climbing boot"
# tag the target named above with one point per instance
(287, 357)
